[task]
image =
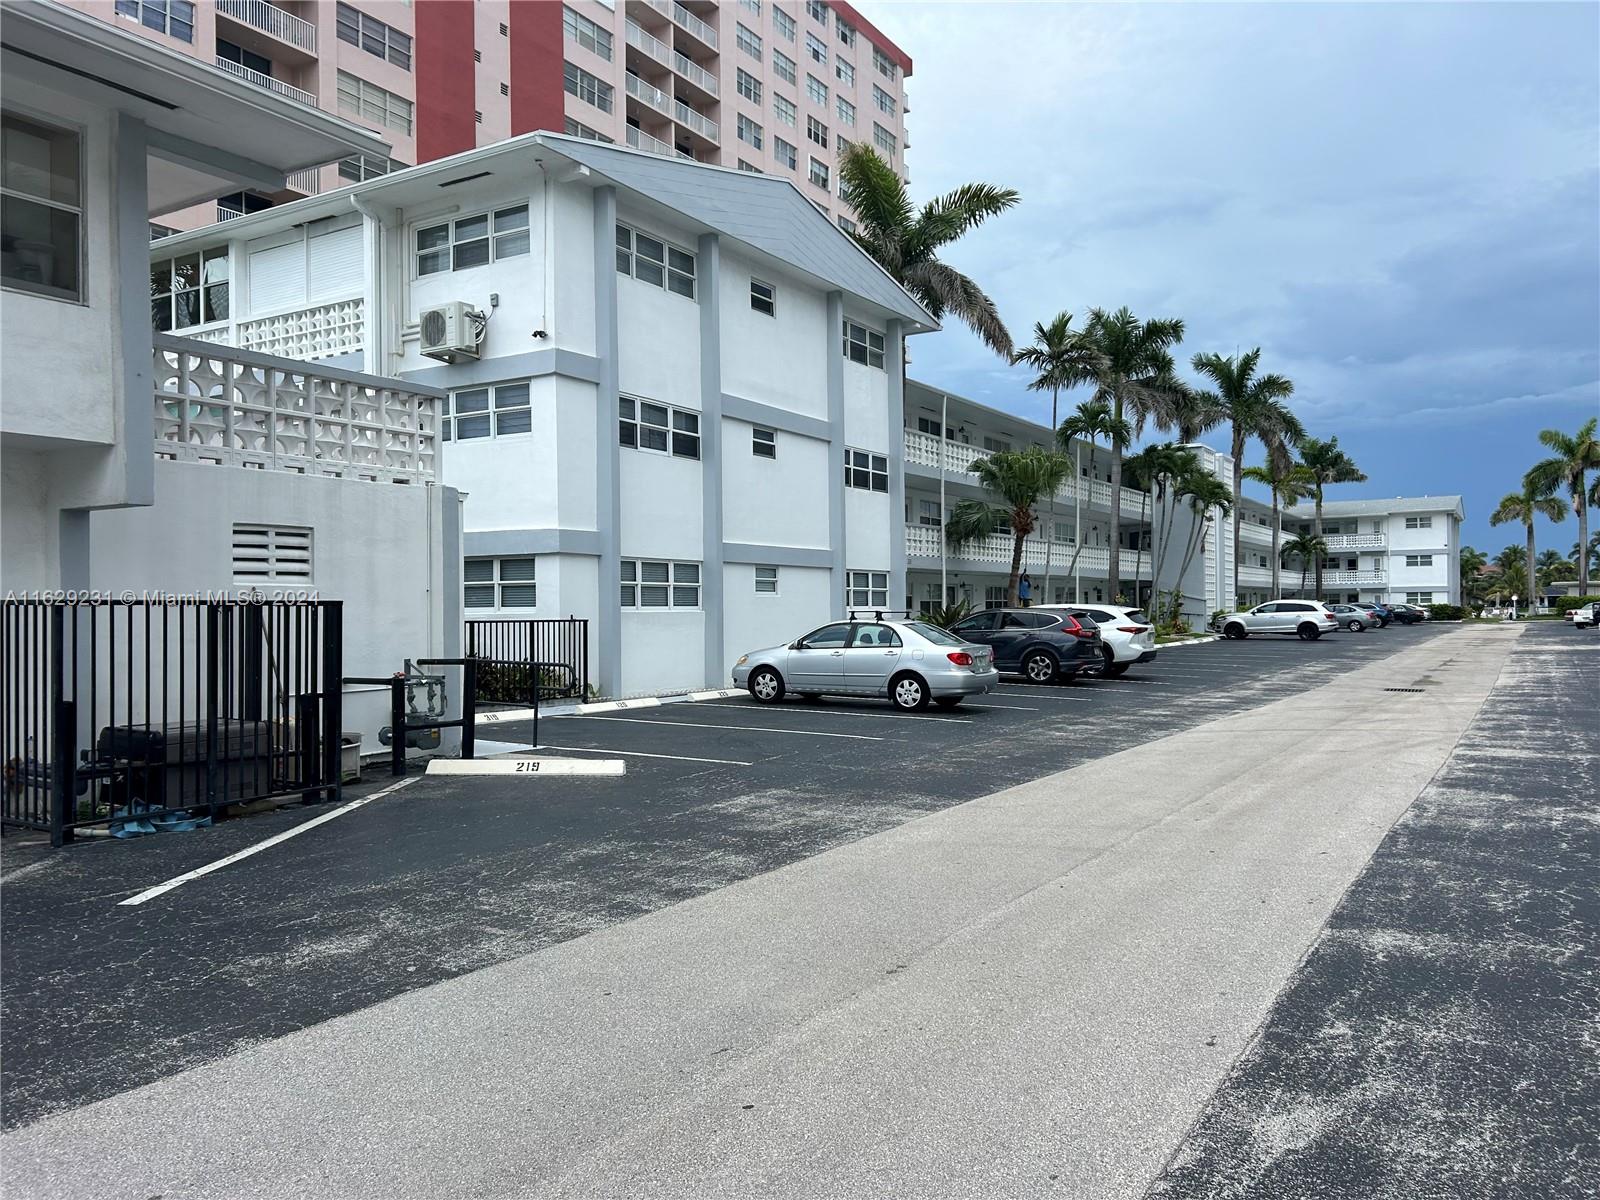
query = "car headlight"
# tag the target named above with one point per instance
(743, 658)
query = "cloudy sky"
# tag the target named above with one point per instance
(1399, 203)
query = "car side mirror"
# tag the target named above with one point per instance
(797, 644)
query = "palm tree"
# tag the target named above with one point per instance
(1472, 565)
(1208, 498)
(1594, 552)
(905, 241)
(1566, 470)
(1092, 420)
(1015, 481)
(1308, 548)
(1169, 472)
(1133, 376)
(1290, 483)
(1524, 506)
(1191, 414)
(1057, 353)
(1254, 407)
(1327, 464)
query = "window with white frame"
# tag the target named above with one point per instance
(766, 581)
(1419, 560)
(995, 596)
(817, 11)
(928, 513)
(500, 583)
(747, 40)
(650, 260)
(884, 64)
(591, 89)
(659, 428)
(763, 443)
(42, 183)
(817, 90)
(763, 297)
(816, 48)
(782, 24)
(845, 111)
(819, 173)
(494, 411)
(654, 583)
(783, 66)
(867, 589)
(189, 290)
(883, 100)
(1419, 522)
(844, 71)
(472, 241)
(817, 132)
(358, 98)
(749, 131)
(786, 154)
(576, 129)
(863, 345)
(1419, 597)
(372, 35)
(883, 139)
(586, 33)
(865, 470)
(272, 554)
(175, 18)
(784, 109)
(847, 33)
(747, 85)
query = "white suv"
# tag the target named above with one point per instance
(1126, 635)
(1309, 619)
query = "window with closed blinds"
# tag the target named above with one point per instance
(271, 554)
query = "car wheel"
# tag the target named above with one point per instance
(1235, 631)
(766, 685)
(1112, 669)
(1355, 626)
(1039, 667)
(1309, 633)
(1383, 622)
(948, 701)
(908, 692)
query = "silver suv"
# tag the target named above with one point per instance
(1309, 619)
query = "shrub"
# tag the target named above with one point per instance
(1565, 604)
(1216, 619)
(1447, 612)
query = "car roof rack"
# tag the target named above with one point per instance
(877, 613)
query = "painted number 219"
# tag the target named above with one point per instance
(525, 767)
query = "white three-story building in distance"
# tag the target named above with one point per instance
(675, 389)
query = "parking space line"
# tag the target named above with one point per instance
(815, 710)
(1010, 707)
(179, 880)
(1041, 695)
(725, 762)
(856, 737)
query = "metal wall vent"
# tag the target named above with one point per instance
(1403, 689)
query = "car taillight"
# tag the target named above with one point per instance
(1087, 635)
(1132, 628)
(960, 657)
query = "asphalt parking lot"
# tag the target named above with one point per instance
(454, 874)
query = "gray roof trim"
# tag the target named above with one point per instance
(1379, 508)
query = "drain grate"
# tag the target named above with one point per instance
(1403, 689)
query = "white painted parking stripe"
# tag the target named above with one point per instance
(857, 737)
(717, 694)
(506, 714)
(604, 706)
(528, 768)
(180, 880)
(1011, 707)
(810, 710)
(725, 762)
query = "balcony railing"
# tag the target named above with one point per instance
(233, 408)
(695, 73)
(703, 125)
(266, 82)
(930, 450)
(927, 542)
(307, 182)
(686, 20)
(1377, 578)
(271, 19)
(1355, 541)
(1252, 531)
(650, 95)
(640, 140)
(654, 47)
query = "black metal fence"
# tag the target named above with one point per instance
(521, 662)
(150, 712)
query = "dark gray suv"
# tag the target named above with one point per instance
(1044, 647)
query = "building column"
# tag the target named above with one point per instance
(894, 347)
(608, 479)
(836, 524)
(73, 557)
(708, 291)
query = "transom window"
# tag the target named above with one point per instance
(370, 102)
(646, 425)
(373, 36)
(865, 470)
(189, 290)
(175, 18)
(763, 298)
(43, 209)
(867, 589)
(500, 583)
(650, 260)
(783, 66)
(863, 345)
(486, 411)
(766, 581)
(472, 241)
(653, 583)
(586, 33)
(591, 89)
(763, 443)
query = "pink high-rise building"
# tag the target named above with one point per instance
(774, 87)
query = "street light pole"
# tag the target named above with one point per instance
(944, 426)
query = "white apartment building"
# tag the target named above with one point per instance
(674, 399)
(139, 461)
(1406, 550)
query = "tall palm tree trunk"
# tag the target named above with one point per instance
(1303, 565)
(1238, 482)
(1050, 520)
(1017, 538)
(1532, 587)
(1113, 556)
(1274, 543)
(1580, 501)
(1318, 595)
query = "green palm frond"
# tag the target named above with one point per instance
(940, 288)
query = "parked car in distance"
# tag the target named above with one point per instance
(1408, 614)
(911, 663)
(1381, 612)
(1043, 645)
(1126, 635)
(1353, 617)
(1586, 616)
(1308, 619)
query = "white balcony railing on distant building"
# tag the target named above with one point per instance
(266, 81)
(271, 19)
(649, 94)
(233, 408)
(307, 182)
(926, 542)
(930, 450)
(640, 140)
(1355, 541)
(316, 331)
(1359, 578)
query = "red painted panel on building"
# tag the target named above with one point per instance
(536, 64)
(446, 79)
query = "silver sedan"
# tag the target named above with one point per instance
(1356, 620)
(911, 663)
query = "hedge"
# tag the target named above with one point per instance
(1565, 604)
(1447, 612)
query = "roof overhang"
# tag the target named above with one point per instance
(209, 132)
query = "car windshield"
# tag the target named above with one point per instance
(934, 634)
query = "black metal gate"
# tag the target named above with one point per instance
(524, 661)
(139, 711)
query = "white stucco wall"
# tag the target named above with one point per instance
(759, 494)
(779, 360)
(753, 622)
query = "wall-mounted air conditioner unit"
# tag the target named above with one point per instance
(451, 332)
